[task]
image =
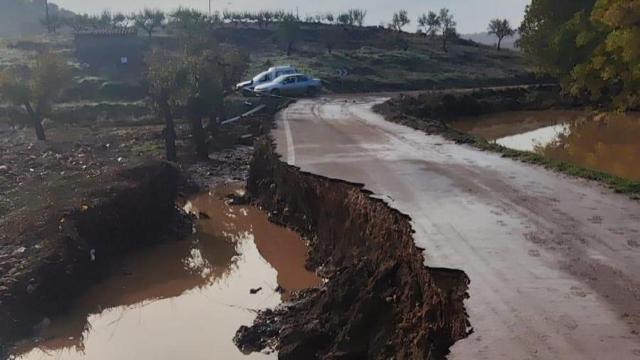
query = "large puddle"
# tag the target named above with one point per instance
(183, 300)
(606, 142)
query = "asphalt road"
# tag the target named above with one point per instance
(554, 261)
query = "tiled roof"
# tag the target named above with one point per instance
(110, 32)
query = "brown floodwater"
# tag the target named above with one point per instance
(605, 142)
(183, 300)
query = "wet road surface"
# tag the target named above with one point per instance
(554, 261)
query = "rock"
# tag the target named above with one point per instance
(236, 199)
(32, 287)
(42, 326)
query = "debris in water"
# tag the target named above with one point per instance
(92, 254)
(255, 291)
(203, 215)
(32, 287)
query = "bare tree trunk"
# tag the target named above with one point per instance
(36, 122)
(169, 133)
(289, 48)
(499, 43)
(215, 118)
(199, 137)
(46, 9)
(444, 43)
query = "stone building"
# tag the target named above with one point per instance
(118, 51)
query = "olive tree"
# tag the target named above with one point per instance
(38, 88)
(357, 16)
(430, 23)
(193, 84)
(211, 75)
(447, 28)
(167, 79)
(344, 19)
(148, 20)
(501, 29)
(400, 20)
(192, 26)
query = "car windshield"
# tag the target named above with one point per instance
(264, 76)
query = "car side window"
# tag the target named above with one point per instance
(302, 78)
(290, 80)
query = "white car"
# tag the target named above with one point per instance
(291, 85)
(268, 76)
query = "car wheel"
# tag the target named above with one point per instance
(276, 92)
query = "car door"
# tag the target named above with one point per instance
(302, 84)
(288, 85)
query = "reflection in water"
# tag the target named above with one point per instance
(605, 142)
(183, 300)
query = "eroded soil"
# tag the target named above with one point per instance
(380, 300)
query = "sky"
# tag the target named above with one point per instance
(472, 15)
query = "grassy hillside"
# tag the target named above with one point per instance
(374, 59)
(491, 40)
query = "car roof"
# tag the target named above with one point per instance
(281, 67)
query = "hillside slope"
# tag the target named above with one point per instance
(375, 59)
(491, 40)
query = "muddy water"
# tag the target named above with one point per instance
(606, 142)
(183, 300)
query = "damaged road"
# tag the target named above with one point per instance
(379, 301)
(553, 261)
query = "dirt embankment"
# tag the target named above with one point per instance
(47, 262)
(380, 300)
(430, 111)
